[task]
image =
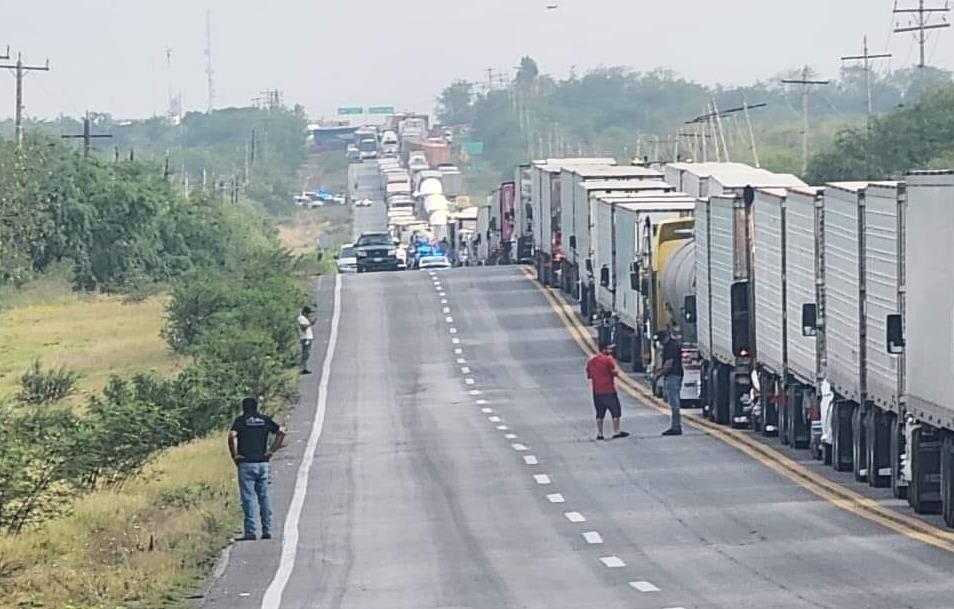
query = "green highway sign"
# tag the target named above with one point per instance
(473, 148)
(381, 110)
(351, 110)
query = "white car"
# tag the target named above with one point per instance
(363, 203)
(346, 260)
(438, 261)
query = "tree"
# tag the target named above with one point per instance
(454, 105)
(528, 70)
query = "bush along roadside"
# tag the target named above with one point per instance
(235, 323)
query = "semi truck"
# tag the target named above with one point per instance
(546, 210)
(575, 204)
(523, 214)
(724, 301)
(625, 227)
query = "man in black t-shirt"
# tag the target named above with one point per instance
(671, 373)
(248, 445)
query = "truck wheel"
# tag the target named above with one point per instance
(859, 453)
(734, 407)
(720, 394)
(877, 434)
(947, 479)
(923, 492)
(895, 449)
(841, 437)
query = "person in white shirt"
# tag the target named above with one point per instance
(305, 337)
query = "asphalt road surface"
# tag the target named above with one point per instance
(374, 218)
(453, 464)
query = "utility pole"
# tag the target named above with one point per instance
(748, 122)
(87, 136)
(922, 24)
(209, 72)
(866, 57)
(806, 84)
(718, 122)
(20, 70)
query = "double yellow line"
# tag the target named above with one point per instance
(834, 493)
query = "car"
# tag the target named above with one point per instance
(363, 203)
(339, 199)
(434, 261)
(301, 200)
(376, 252)
(346, 260)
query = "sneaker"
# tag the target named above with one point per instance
(672, 432)
(306, 371)
(245, 538)
(622, 434)
(600, 437)
(266, 535)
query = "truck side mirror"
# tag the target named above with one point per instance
(689, 309)
(573, 242)
(809, 319)
(895, 335)
(604, 277)
(634, 281)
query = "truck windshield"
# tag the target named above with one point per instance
(368, 145)
(366, 240)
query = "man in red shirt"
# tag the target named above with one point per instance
(602, 370)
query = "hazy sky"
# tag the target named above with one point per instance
(109, 55)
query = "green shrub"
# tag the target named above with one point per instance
(39, 386)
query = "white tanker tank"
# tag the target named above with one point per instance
(677, 281)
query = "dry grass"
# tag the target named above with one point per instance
(146, 545)
(94, 335)
(300, 232)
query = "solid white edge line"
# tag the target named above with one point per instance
(273, 594)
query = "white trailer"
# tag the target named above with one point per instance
(920, 334)
(621, 250)
(523, 220)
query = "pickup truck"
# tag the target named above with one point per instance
(376, 252)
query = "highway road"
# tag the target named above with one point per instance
(443, 455)
(374, 218)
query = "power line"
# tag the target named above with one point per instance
(86, 136)
(806, 84)
(20, 70)
(922, 23)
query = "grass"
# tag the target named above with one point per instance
(148, 544)
(95, 335)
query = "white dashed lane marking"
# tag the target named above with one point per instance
(443, 301)
(474, 392)
(541, 478)
(502, 428)
(613, 562)
(513, 436)
(530, 459)
(643, 586)
(455, 340)
(592, 537)
(519, 447)
(461, 360)
(469, 381)
(486, 410)
(481, 402)
(445, 310)
(453, 330)
(494, 419)
(458, 351)
(555, 498)
(442, 294)
(449, 320)
(464, 370)
(574, 516)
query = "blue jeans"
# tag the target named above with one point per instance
(253, 483)
(672, 385)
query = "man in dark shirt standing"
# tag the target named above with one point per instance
(671, 373)
(248, 445)
(602, 370)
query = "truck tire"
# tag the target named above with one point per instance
(896, 445)
(720, 394)
(859, 452)
(799, 434)
(924, 495)
(624, 342)
(841, 437)
(947, 479)
(585, 302)
(878, 439)
(734, 407)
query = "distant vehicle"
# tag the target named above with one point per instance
(346, 260)
(339, 199)
(390, 144)
(368, 148)
(302, 200)
(376, 252)
(353, 153)
(438, 261)
(363, 203)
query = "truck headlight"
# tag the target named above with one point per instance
(392, 252)
(361, 254)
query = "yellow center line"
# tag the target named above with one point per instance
(831, 491)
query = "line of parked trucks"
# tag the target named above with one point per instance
(823, 315)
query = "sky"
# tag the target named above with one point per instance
(110, 55)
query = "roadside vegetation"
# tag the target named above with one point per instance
(134, 316)
(626, 114)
